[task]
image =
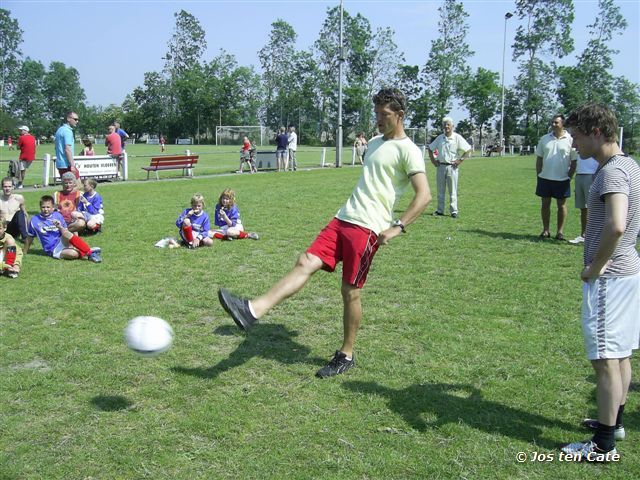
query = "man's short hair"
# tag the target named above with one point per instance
(594, 115)
(392, 97)
(7, 179)
(68, 176)
(447, 120)
(69, 114)
(46, 199)
(558, 115)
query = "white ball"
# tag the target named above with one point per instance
(148, 336)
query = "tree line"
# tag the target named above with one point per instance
(191, 95)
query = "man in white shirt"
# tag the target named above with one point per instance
(447, 152)
(293, 146)
(555, 166)
(584, 178)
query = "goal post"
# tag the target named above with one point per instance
(417, 135)
(233, 134)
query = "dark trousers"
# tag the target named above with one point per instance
(17, 227)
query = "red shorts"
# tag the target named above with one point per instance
(350, 244)
(75, 171)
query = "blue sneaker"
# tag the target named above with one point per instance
(94, 256)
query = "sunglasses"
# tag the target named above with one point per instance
(75, 118)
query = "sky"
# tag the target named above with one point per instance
(113, 43)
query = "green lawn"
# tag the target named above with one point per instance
(470, 349)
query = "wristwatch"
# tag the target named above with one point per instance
(398, 223)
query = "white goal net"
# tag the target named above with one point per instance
(233, 134)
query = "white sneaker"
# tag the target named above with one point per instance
(589, 452)
(579, 239)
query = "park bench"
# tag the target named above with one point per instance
(173, 162)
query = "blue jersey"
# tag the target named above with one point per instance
(200, 224)
(94, 206)
(233, 213)
(48, 234)
(123, 137)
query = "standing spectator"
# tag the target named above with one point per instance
(162, 142)
(10, 143)
(12, 209)
(122, 134)
(293, 146)
(447, 152)
(363, 224)
(584, 178)
(27, 147)
(282, 144)
(611, 276)
(360, 145)
(114, 147)
(65, 144)
(555, 166)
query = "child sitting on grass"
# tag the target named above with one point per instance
(227, 219)
(57, 241)
(194, 224)
(10, 253)
(90, 206)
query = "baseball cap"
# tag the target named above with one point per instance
(24, 127)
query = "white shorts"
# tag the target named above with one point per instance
(98, 217)
(611, 316)
(57, 250)
(237, 228)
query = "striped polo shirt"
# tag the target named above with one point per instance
(620, 174)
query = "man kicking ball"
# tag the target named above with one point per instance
(393, 162)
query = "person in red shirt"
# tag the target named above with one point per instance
(10, 142)
(27, 147)
(114, 146)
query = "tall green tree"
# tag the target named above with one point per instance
(62, 91)
(626, 104)
(448, 58)
(545, 30)
(187, 45)
(481, 94)
(10, 55)
(28, 101)
(591, 79)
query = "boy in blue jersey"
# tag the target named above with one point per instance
(193, 224)
(227, 219)
(57, 241)
(90, 205)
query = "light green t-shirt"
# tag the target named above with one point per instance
(385, 177)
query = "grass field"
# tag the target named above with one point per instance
(213, 159)
(470, 349)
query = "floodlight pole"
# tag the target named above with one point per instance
(340, 64)
(507, 16)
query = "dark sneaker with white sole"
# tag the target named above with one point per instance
(592, 424)
(338, 364)
(238, 308)
(588, 451)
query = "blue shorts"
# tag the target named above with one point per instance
(553, 188)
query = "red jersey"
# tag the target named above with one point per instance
(246, 146)
(67, 203)
(27, 147)
(113, 144)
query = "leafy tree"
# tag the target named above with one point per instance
(10, 55)
(187, 45)
(590, 80)
(62, 91)
(481, 95)
(448, 57)
(626, 105)
(152, 102)
(545, 30)
(28, 101)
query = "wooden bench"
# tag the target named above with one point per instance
(174, 162)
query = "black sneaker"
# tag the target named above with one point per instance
(592, 424)
(338, 364)
(454, 215)
(238, 308)
(437, 214)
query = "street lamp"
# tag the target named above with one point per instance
(507, 16)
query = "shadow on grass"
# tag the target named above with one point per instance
(432, 405)
(268, 341)
(512, 236)
(111, 403)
